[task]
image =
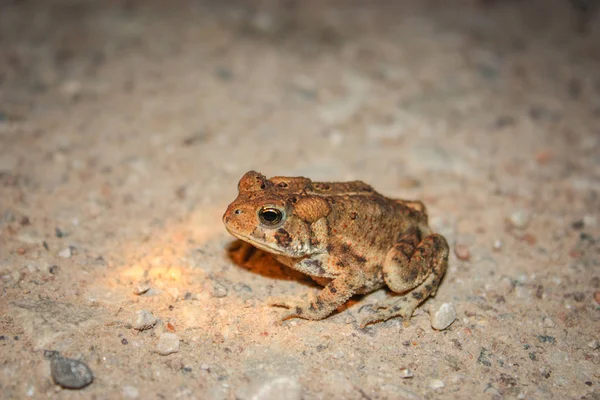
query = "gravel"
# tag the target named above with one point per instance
(168, 343)
(69, 373)
(443, 317)
(144, 320)
(273, 389)
(519, 219)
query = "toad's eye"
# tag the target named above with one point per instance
(270, 216)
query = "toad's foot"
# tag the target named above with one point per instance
(395, 307)
(298, 308)
(336, 293)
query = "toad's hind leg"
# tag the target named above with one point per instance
(414, 268)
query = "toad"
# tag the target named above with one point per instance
(346, 236)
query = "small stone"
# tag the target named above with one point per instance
(497, 246)
(579, 296)
(519, 219)
(338, 355)
(70, 373)
(443, 317)
(436, 384)
(168, 343)
(462, 252)
(594, 345)
(529, 239)
(274, 389)
(406, 373)
(242, 287)
(65, 253)
(144, 320)
(218, 289)
(546, 339)
(173, 292)
(131, 392)
(484, 357)
(491, 390)
(589, 221)
(577, 225)
(141, 288)
(597, 297)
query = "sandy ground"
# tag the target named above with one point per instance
(125, 126)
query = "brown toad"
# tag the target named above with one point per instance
(346, 236)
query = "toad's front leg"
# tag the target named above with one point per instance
(336, 293)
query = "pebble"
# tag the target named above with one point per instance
(406, 373)
(519, 219)
(436, 384)
(168, 343)
(443, 317)
(173, 292)
(65, 253)
(462, 252)
(131, 392)
(70, 373)
(144, 320)
(282, 387)
(140, 289)
(594, 345)
(597, 297)
(241, 287)
(498, 245)
(218, 289)
(589, 221)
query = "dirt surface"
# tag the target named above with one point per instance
(125, 126)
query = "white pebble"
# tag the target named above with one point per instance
(436, 384)
(274, 389)
(168, 343)
(144, 320)
(131, 392)
(65, 253)
(443, 317)
(589, 221)
(519, 219)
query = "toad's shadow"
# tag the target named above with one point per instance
(246, 256)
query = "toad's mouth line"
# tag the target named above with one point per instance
(253, 242)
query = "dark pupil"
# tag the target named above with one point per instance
(270, 216)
